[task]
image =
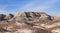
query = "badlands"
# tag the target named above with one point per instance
(29, 22)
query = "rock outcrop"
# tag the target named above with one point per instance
(2, 17)
(9, 16)
(29, 22)
(33, 15)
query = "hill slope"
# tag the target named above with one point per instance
(29, 22)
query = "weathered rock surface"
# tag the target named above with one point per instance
(2, 17)
(29, 22)
(56, 17)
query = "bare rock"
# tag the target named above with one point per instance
(28, 22)
(9, 16)
(44, 16)
(2, 17)
(56, 17)
(20, 14)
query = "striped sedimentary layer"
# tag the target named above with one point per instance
(29, 22)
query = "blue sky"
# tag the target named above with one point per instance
(51, 7)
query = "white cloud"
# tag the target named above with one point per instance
(32, 6)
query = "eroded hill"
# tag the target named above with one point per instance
(29, 22)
